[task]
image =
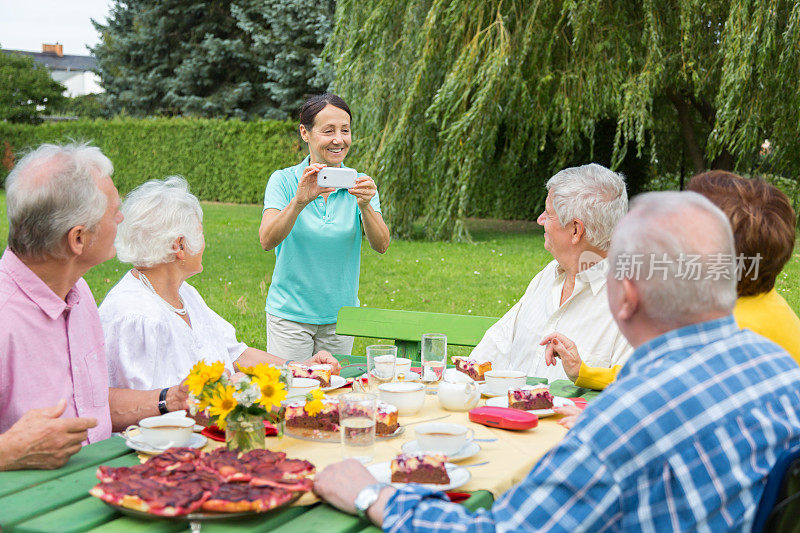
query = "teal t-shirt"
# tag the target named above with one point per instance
(318, 264)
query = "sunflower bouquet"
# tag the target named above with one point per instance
(238, 406)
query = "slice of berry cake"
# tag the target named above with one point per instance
(420, 468)
(530, 397)
(321, 373)
(473, 368)
(326, 420)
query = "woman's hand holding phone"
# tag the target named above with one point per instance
(307, 189)
(364, 190)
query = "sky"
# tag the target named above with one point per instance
(26, 24)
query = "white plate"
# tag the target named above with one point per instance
(337, 382)
(197, 441)
(558, 401)
(464, 453)
(458, 476)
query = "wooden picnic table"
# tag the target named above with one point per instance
(58, 500)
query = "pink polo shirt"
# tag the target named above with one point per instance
(50, 349)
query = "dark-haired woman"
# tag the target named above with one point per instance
(316, 233)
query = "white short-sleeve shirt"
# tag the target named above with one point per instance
(148, 346)
(512, 343)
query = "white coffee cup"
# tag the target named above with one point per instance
(402, 365)
(162, 431)
(407, 396)
(302, 386)
(446, 438)
(499, 381)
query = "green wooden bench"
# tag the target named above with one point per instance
(406, 327)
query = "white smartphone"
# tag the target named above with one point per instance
(337, 177)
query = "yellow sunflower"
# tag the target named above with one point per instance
(265, 372)
(314, 402)
(273, 392)
(201, 374)
(222, 403)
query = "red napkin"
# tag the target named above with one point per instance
(214, 433)
(458, 497)
(580, 402)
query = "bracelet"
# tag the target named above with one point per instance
(162, 401)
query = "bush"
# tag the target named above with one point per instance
(223, 160)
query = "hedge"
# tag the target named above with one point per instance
(223, 160)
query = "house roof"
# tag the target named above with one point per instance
(54, 62)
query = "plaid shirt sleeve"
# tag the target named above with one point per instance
(570, 489)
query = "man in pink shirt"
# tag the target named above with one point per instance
(63, 211)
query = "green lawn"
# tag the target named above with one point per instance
(484, 278)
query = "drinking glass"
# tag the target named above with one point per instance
(434, 359)
(381, 359)
(357, 423)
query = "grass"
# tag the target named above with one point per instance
(483, 278)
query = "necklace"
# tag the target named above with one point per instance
(146, 283)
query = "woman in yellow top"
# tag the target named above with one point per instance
(763, 224)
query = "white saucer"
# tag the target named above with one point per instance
(197, 441)
(458, 476)
(408, 376)
(337, 382)
(467, 451)
(489, 392)
(558, 401)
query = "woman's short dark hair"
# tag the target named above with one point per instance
(315, 104)
(762, 220)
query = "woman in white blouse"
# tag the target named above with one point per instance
(156, 325)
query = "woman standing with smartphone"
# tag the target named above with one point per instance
(316, 233)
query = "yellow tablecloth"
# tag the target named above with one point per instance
(510, 457)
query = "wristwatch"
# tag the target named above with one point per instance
(367, 497)
(162, 401)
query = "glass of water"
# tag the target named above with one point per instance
(381, 359)
(434, 359)
(357, 423)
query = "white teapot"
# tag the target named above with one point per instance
(457, 391)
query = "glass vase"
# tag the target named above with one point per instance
(245, 432)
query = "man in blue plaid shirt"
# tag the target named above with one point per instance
(685, 437)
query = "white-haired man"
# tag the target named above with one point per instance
(568, 296)
(685, 437)
(63, 211)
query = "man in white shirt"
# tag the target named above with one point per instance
(569, 295)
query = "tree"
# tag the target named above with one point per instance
(26, 89)
(214, 58)
(288, 37)
(178, 57)
(454, 96)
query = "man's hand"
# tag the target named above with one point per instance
(324, 358)
(558, 346)
(42, 440)
(571, 414)
(340, 483)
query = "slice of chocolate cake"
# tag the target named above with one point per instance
(530, 397)
(420, 468)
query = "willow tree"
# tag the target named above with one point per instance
(457, 96)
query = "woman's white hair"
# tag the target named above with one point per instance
(593, 194)
(683, 246)
(50, 191)
(156, 214)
